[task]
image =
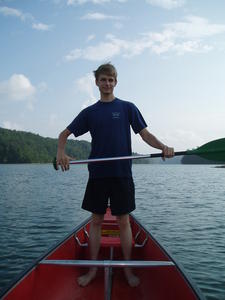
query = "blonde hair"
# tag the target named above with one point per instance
(106, 69)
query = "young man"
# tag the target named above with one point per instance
(108, 122)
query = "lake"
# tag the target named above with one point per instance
(182, 205)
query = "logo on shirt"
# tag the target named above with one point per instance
(115, 115)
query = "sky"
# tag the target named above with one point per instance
(169, 54)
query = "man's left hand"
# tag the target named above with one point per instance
(167, 152)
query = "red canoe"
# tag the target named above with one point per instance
(54, 275)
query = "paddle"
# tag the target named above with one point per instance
(214, 150)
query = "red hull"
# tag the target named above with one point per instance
(58, 282)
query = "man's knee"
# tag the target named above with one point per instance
(123, 221)
(97, 219)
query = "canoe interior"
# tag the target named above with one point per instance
(59, 282)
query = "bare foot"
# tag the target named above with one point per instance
(85, 279)
(132, 280)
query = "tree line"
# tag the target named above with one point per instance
(27, 147)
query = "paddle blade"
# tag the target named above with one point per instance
(214, 150)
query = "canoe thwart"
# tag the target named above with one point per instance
(108, 263)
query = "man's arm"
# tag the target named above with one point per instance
(152, 141)
(62, 159)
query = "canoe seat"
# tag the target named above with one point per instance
(110, 233)
(110, 241)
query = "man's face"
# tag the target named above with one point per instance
(106, 84)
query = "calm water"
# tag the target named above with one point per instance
(183, 206)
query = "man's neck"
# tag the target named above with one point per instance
(107, 98)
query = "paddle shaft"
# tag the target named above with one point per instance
(94, 160)
(214, 150)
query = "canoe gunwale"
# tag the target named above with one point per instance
(177, 264)
(18, 278)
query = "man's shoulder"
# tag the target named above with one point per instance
(129, 106)
(90, 107)
(125, 102)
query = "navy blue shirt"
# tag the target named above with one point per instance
(109, 125)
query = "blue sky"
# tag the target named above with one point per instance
(170, 57)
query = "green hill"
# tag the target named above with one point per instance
(197, 160)
(26, 147)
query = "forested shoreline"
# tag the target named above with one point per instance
(26, 147)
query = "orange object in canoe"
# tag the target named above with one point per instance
(54, 275)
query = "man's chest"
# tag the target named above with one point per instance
(107, 118)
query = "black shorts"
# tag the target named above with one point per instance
(118, 192)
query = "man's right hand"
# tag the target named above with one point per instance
(63, 160)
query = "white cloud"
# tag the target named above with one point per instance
(13, 12)
(80, 2)
(100, 17)
(195, 27)
(102, 51)
(86, 85)
(74, 2)
(191, 46)
(167, 4)
(18, 88)
(90, 37)
(11, 125)
(179, 38)
(41, 26)
(73, 55)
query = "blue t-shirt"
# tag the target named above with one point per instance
(109, 125)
